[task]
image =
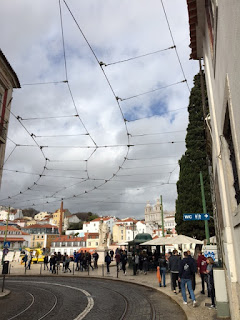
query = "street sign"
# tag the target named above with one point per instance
(6, 244)
(196, 216)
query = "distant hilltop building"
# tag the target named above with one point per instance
(8, 81)
(153, 213)
(153, 217)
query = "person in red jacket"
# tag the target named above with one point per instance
(202, 267)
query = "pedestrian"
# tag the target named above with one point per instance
(202, 268)
(118, 259)
(194, 274)
(136, 262)
(210, 280)
(173, 265)
(89, 260)
(64, 262)
(95, 259)
(52, 263)
(145, 261)
(163, 268)
(25, 259)
(45, 262)
(124, 261)
(108, 261)
(111, 254)
(29, 261)
(67, 262)
(186, 270)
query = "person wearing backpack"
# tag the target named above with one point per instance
(186, 271)
(108, 261)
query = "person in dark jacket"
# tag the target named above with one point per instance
(210, 280)
(194, 274)
(163, 268)
(174, 261)
(186, 270)
(95, 259)
(108, 261)
(124, 261)
(45, 261)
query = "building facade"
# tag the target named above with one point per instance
(153, 213)
(214, 37)
(8, 81)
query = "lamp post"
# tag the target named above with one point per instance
(5, 234)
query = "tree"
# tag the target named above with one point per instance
(30, 212)
(192, 162)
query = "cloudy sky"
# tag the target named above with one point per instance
(104, 128)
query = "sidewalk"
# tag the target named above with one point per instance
(200, 312)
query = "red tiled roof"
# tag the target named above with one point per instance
(12, 239)
(192, 13)
(10, 228)
(68, 239)
(15, 78)
(41, 226)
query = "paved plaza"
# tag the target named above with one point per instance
(147, 282)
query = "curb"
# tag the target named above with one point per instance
(5, 293)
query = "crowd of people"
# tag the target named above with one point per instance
(182, 270)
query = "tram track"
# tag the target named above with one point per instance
(84, 298)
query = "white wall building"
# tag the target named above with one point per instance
(41, 216)
(93, 226)
(214, 36)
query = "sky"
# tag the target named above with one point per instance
(100, 120)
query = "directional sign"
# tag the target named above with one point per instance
(196, 216)
(6, 244)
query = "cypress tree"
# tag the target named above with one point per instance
(192, 162)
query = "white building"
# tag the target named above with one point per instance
(169, 223)
(41, 216)
(13, 215)
(214, 36)
(93, 226)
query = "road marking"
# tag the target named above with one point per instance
(89, 306)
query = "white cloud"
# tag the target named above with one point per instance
(116, 31)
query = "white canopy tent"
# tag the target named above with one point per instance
(179, 239)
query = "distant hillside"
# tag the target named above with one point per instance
(30, 212)
(86, 216)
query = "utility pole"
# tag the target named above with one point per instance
(204, 208)
(163, 234)
(5, 234)
(60, 219)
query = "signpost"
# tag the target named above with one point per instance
(196, 216)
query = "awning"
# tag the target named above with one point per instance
(180, 239)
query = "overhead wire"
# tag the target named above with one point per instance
(137, 57)
(173, 41)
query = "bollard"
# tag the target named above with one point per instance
(117, 271)
(88, 269)
(73, 268)
(103, 270)
(9, 269)
(41, 269)
(57, 268)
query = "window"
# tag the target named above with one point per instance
(121, 231)
(228, 136)
(121, 237)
